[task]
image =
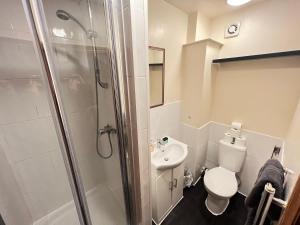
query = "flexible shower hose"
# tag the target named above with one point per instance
(97, 131)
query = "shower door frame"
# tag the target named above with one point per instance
(130, 177)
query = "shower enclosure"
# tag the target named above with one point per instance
(62, 136)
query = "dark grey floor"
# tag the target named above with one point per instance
(192, 211)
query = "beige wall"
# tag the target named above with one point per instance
(269, 26)
(199, 27)
(168, 29)
(292, 148)
(197, 82)
(261, 94)
(203, 27)
(192, 27)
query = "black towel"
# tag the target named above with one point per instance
(272, 172)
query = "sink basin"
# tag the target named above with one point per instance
(169, 155)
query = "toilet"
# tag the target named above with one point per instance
(221, 182)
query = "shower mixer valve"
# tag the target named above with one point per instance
(107, 130)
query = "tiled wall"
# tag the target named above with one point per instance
(203, 150)
(27, 134)
(31, 146)
(165, 121)
(197, 140)
(12, 203)
(135, 19)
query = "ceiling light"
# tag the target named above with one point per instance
(237, 2)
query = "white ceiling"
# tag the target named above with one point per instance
(210, 8)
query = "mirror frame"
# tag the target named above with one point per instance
(163, 75)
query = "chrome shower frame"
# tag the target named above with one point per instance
(130, 175)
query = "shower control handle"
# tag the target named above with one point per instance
(107, 130)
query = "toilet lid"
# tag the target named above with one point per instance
(221, 182)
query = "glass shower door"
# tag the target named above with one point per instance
(81, 58)
(34, 185)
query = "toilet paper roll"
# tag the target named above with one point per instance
(236, 125)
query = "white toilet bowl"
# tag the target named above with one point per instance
(221, 185)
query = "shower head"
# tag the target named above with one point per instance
(61, 14)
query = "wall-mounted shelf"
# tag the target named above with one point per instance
(261, 56)
(156, 64)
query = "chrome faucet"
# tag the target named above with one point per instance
(160, 145)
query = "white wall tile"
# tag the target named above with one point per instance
(77, 94)
(200, 159)
(216, 131)
(91, 174)
(27, 139)
(212, 153)
(128, 41)
(136, 46)
(141, 88)
(140, 47)
(144, 151)
(165, 121)
(83, 131)
(197, 140)
(38, 179)
(15, 97)
(13, 207)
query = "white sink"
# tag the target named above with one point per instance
(169, 155)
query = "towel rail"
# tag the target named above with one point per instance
(267, 198)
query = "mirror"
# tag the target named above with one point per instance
(156, 75)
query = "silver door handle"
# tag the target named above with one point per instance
(175, 183)
(171, 185)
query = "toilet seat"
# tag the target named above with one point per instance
(221, 182)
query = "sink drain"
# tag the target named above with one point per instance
(166, 159)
